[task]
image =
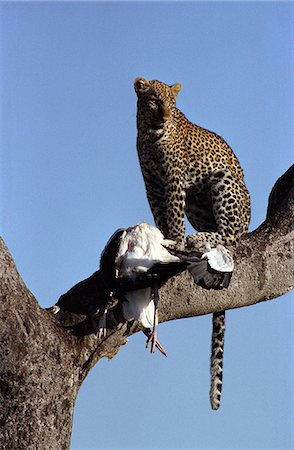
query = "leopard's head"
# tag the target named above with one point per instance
(156, 100)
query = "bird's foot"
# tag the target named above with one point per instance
(151, 340)
(102, 331)
(154, 342)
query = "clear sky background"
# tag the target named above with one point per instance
(70, 177)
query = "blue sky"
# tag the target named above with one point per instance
(70, 177)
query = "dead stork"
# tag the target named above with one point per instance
(134, 264)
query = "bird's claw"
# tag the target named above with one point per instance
(102, 331)
(154, 342)
(151, 340)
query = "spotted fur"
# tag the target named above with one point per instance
(190, 170)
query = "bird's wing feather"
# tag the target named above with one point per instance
(108, 256)
(210, 270)
(159, 273)
(86, 296)
(165, 270)
(215, 280)
(227, 279)
(198, 269)
(220, 259)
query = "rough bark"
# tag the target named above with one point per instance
(42, 364)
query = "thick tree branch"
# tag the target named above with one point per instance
(42, 364)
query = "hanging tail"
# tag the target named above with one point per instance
(216, 361)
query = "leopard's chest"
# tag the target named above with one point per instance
(164, 156)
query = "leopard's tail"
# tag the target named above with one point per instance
(216, 361)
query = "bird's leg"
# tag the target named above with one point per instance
(102, 330)
(155, 319)
(152, 337)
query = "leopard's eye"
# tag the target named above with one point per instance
(153, 104)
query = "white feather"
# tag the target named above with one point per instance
(141, 248)
(219, 258)
(139, 307)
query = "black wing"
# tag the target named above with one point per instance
(214, 280)
(107, 260)
(158, 274)
(201, 271)
(86, 297)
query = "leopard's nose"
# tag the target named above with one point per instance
(141, 85)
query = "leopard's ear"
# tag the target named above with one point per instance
(176, 89)
(141, 85)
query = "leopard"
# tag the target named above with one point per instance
(190, 171)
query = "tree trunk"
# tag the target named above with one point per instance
(42, 364)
